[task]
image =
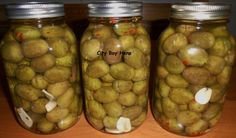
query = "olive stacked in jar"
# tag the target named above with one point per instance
(196, 54)
(115, 50)
(40, 59)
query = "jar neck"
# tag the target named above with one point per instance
(199, 22)
(114, 20)
(38, 22)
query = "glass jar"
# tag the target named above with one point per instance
(40, 59)
(115, 50)
(196, 54)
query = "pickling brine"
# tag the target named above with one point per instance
(196, 55)
(115, 55)
(40, 61)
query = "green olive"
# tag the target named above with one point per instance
(127, 41)
(170, 109)
(45, 126)
(140, 87)
(43, 63)
(58, 47)
(8, 37)
(124, 29)
(113, 109)
(122, 71)
(211, 80)
(186, 29)
(220, 31)
(27, 92)
(25, 73)
(197, 128)
(139, 120)
(174, 42)
(214, 120)
(172, 124)
(164, 89)
(107, 78)
(110, 122)
(105, 84)
(202, 39)
(140, 29)
(57, 114)
(136, 59)
(25, 104)
(34, 48)
(122, 86)
(67, 122)
(132, 112)
(34, 116)
(127, 99)
(181, 96)
(224, 77)
(96, 109)
(217, 92)
(57, 74)
(38, 106)
(211, 111)
(76, 105)
(105, 95)
(39, 82)
(230, 57)
(165, 34)
(196, 107)
(183, 107)
(215, 64)
(91, 83)
(221, 47)
(158, 106)
(97, 69)
(52, 31)
(10, 69)
(193, 55)
(162, 72)
(87, 35)
(68, 60)
(88, 94)
(196, 75)
(143, 43)
(112, 48)
(57, 89)
(176, 81)
(90, 48)
(11, 51)
(174, 65)
(25, 32)
(96, 123)
(102, 33)
(187, 117)
(69, 36)
(142, 100)
(66, 99)
(141, 74)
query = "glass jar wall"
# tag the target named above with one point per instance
(115, 51)
(40, 59)
(196, 54)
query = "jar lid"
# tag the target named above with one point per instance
(200, 11)
(31, 10)
(115, 9)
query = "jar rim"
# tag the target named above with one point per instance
(200, 10)
(115, 8)
(30, 10)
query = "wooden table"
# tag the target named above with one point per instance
(9, 128)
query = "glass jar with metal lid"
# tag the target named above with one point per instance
(115, 51)
(40, 59)
(196, 54)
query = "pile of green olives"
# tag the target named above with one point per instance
(192, 59)
(42, 73)
(115, 69)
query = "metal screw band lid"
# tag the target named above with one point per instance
(31, 10)
(115, 9)
(200, 11)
